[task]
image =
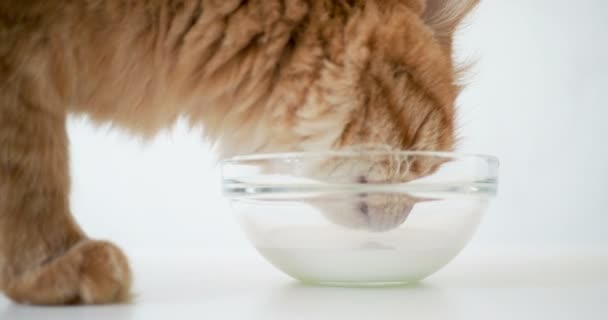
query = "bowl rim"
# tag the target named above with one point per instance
(279, 156)
(482, 186)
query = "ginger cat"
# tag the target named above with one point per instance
(258, 75)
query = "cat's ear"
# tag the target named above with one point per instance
(444, 16)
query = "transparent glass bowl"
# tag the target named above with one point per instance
(375, 218)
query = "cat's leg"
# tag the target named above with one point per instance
(45, 258)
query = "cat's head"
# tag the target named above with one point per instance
(407, 82)
(404, 94)
(363, 73)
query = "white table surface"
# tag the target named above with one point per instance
(243, 286)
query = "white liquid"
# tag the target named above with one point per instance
(325, 255)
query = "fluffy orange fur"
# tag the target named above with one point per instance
(258, 75)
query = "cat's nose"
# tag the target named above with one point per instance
(363, 208)
(383, 213)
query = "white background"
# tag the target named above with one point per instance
(535, 100)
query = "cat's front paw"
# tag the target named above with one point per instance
(91, 272)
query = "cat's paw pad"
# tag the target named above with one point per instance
(91, 272)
